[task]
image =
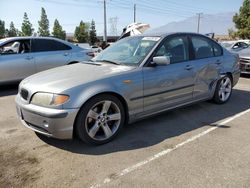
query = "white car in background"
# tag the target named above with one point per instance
(236, 46)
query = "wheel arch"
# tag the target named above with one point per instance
(72, 62)
(115, 94)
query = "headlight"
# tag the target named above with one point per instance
(49, 99)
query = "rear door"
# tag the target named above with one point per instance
(170, 85)
(50, 53)
(16, 61)
(208, 59)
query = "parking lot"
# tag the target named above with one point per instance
(203, 145)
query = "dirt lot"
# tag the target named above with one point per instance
(203, 145)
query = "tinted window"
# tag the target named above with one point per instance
(176, 48)
(202, 47)
(243, 45)
(41, 45)
(217, 50)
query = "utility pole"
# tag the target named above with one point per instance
(134, 13)
(199, 19)
(105, 22)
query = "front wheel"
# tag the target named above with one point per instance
(223, 90)
(100, 119)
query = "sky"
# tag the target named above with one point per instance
(119, 12)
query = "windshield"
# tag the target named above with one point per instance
(128, 51)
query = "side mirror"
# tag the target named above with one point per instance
(161, 60)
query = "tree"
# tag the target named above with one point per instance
(232, 34)
(12, 32)
(81, 32)
(27, 29)
(43, 28)
(242, 20)
(92, 33)
(2, 29)
(57, 30)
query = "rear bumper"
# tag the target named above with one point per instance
(57, 123)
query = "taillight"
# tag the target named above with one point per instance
(91, 54)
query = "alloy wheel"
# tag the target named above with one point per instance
(225, 89)
(103, 120)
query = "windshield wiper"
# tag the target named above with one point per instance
(108, 61)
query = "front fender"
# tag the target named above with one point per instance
(117, 85)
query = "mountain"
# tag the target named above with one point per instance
(210, 23)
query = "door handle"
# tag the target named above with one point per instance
(189, 67)
(66, 54)
(218, 62)
(28, 57)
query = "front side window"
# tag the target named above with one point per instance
(128, 51)
(43, 45)
(202, 47)
(175, 48)
(15, 47)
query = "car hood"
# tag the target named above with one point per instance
(63, 78)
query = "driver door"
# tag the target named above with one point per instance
(170, 85)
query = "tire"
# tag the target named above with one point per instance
(223, 90)
(100, 119)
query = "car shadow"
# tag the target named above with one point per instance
(245, 75)
(7, 90)
(159, 128)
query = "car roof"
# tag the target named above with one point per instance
(30, 37)
(165, 34)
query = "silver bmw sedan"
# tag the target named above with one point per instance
(134, 78)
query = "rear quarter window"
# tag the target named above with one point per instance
(217, 49)
(43, 45)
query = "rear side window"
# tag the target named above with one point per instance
(43, 45)
(202, 47)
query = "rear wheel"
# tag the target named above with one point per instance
(223, 90)
(100, 119)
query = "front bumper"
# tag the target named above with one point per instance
(57, 123)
